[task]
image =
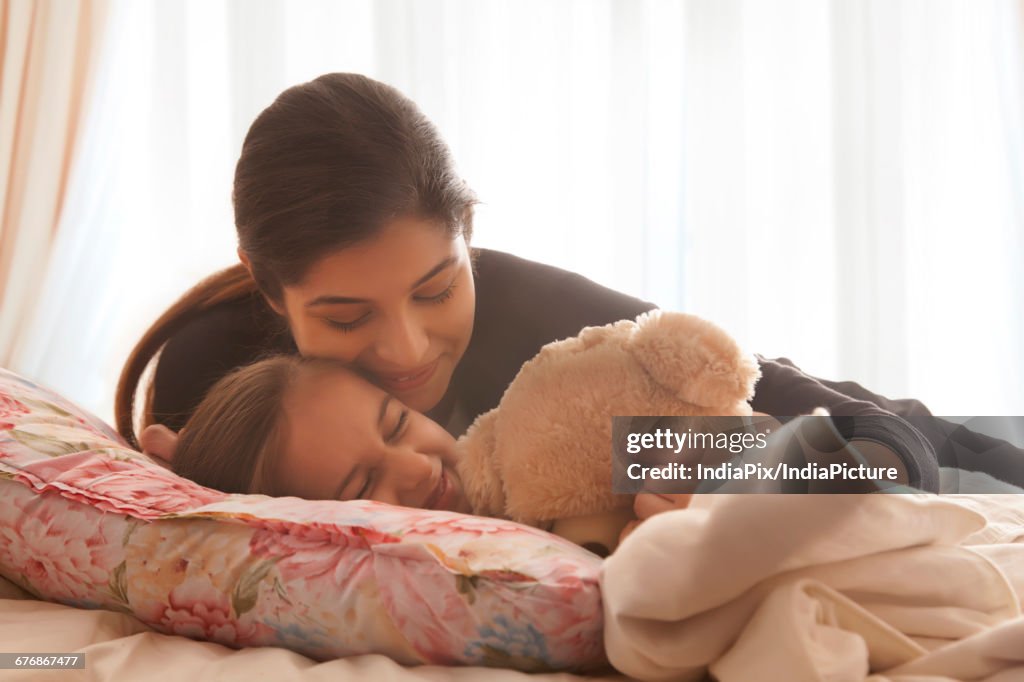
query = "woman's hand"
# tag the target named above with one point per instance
(646, 505)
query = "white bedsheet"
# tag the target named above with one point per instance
(118, 647)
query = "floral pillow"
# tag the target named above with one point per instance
(87, 521)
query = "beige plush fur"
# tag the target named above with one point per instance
(545, 452)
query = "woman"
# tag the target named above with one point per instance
(353, 230)
(354, 235)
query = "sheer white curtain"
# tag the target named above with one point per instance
(48, 55)
(835, 182)
(854, 194)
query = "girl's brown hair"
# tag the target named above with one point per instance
(325, 166)
(233, 440)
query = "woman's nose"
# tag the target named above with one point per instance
(403, 342)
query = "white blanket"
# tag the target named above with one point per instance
(855, 587)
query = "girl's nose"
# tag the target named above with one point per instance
(408, 478)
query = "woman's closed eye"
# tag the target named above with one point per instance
(346, 326)
(351, 325)
(439, 297)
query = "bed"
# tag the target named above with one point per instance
(900, 587)
(894, 588)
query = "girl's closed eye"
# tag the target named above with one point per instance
(364, 491)
(394, 434)
(399, 427)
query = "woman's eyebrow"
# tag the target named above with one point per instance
(334, 300)
(331, 300)
(352, 472)
(433, 271)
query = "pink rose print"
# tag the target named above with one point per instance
(196, 609)
(10, 408)
(461, 524)
(113, 484)
(314, 550)
(65, 552)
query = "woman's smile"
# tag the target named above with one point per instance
(407, 380)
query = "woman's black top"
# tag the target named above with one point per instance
(520, 307)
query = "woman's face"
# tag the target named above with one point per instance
(346, 439)
(397, 307)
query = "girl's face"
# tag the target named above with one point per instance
(398, 308)
(346, 439)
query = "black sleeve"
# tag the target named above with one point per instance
(785, 391)
(954, 444)
(204, 350)
(963, 448)
(521, 306)
(904, 407)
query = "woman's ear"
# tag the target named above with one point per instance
(159, 442)
(247, 264)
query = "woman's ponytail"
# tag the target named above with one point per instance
(230, 284)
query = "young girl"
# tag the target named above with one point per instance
(288, 425)
(312, 428)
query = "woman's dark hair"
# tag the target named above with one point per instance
(325, 166)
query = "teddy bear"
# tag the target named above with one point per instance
(543, 456)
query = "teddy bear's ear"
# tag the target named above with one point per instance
(693, 358)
